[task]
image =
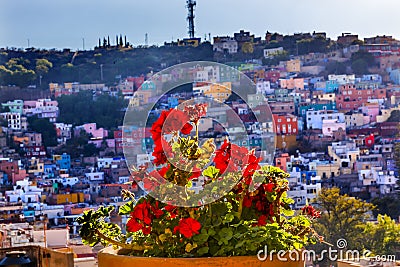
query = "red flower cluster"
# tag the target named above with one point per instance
(261, 203)
(172, 210)
(155, 179)
(222, 158)
(311, 212)
(251, 167)
(230, 157)
(188, 227)
(195, 112)
(168, 122)
(142, 217)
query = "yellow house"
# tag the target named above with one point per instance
(53, 86)
(327, 97)
(140, 98)
(293, 65)
(35, 166)
(219, 91)
(327, 170)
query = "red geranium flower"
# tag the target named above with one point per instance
(170, 121)
(311, 211)
(222, 158)
(133, 225)
(195, 112)
(247, 201)
(269, 187)
(157, 211)
(142, 212)
(173, 210)
(187, 128)
(162, 149)
(175, 121)
(188, 227)
(141, 218)
(156, 129)
(262, 220)
(251, 167)
(196, 172)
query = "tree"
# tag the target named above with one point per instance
(341, 217)
(383, 237)
(361, 61)
(43, 66)
(121, 44)
(105, 110)
(335, 67)
(16, 72)
(247, 48)
(387, 205)
(46, 128)
(394, 116)
(360, 66)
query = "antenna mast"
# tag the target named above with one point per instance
(190, 4)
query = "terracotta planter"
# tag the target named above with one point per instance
(108, 258)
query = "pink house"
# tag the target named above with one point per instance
(282, 161)
(91, 128)
(296, 83)
(371, 109)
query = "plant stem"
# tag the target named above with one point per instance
(117, 243)
(240, 207)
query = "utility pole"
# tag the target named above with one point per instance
(190, 4)
(28, 43)
(101, 71)
(83, 43)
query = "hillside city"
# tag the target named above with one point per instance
(335, 115)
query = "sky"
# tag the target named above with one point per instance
(73, 23)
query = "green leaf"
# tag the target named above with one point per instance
(211, 172)
(228, 218)
(287, 212)
(202, 251)
(211, 232)
(127, 208)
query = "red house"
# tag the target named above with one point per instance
(351, 98)
(285, 124)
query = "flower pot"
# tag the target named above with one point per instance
(108, 257)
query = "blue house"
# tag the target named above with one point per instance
(173, 102)
(306, 176)
(331, 86)
(65, 161)
(302, 110)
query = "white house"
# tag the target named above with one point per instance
(13, 120)
(24, 191)
(331, 126)
(95, 176)
(225, 44)
(272, 51)
(342, 79)
(315, 118)
(264, 87)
